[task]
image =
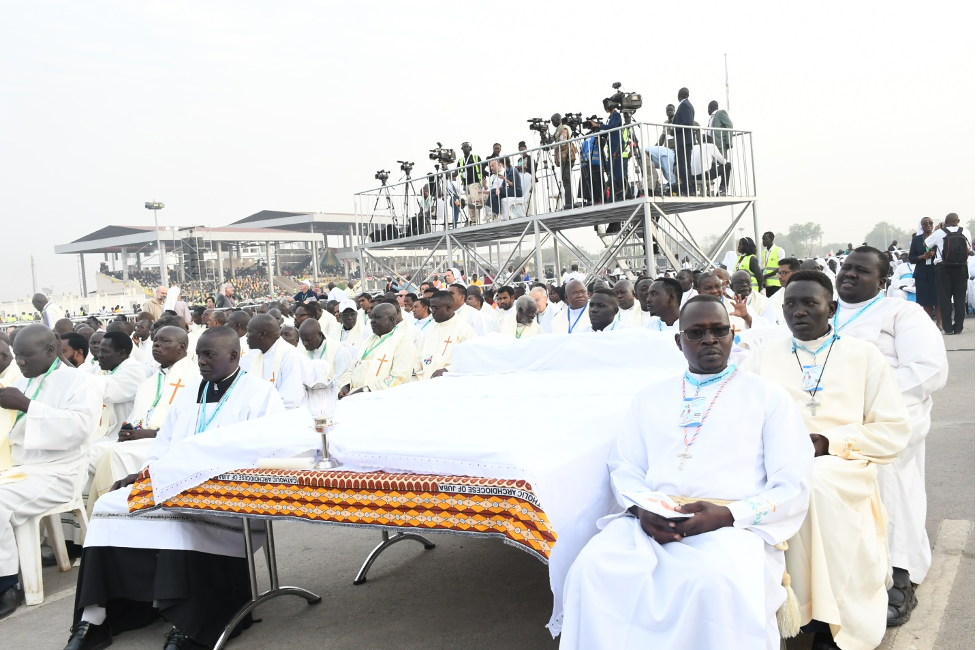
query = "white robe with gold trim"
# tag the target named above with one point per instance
(439, 343)
(382, 362)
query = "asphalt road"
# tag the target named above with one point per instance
(471, 593)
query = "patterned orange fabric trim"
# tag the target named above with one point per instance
(481, 507)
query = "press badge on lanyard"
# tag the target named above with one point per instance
(811, 379)
(692, 411)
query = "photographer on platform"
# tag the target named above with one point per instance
(615, 166)
(471, 179)
(564, 156)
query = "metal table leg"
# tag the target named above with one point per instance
(275, 591)
(387, 542)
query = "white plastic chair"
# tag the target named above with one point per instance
(28, 537)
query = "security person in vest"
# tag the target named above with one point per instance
(746, 260)
(629, 143)
(770, 261)
(471, 178)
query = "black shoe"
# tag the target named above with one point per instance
(9, 602)
(85, 636)
(824, 641)
(902, 599)
(176, 639)
(74, 552)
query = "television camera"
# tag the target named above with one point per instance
(542, 127)
(382, 176)
(442, 156)
(625, 102)
(406, 166)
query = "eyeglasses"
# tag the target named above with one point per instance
(783, 272)
(697, 334)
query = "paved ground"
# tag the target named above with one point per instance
(483, 594)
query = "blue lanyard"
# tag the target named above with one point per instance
(201, 424)
(582, 309)
(814, 353)
(699, 383)
(857, 314)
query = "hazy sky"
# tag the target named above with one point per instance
(860, 111)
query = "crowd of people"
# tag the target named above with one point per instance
(819, 386)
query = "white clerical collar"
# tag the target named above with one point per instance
(856, 305)
(814, 343)
(575, 311)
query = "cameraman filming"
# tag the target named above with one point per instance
(471, 179)
(564, 156)
(615, 164)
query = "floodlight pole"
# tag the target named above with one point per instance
(156, 206)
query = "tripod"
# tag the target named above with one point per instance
(384, 194)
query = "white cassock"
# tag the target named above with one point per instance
(407, 316)
(630, 317)
(11, 375)
(773, 311)
(439, 343)
(49, 445)
(91, 366)
(121, 386)
(838, 561)
(352, 336)
(329, 325)
(383, 362)
(336, 294)
(656, 324)
(488, 313)
(111, 526)
(758, 320)
(545, 319)
(615, 326)
(914, 348)
(502, 316)
(715, 590)
(411, 333)
(334, 356)
(421, 326)
(688, 294)
(284, 366)
(512, 329)
(146, 354)
(473, 317)
(572, 321)
(245, 349)
(153, 400)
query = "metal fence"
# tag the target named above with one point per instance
(657, 162)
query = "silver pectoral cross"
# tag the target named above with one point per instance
(684, 455)
(814, 404)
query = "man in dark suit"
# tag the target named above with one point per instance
(684, 117)
(615, 165)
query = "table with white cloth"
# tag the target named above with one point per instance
(537, 476)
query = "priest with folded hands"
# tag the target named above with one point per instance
(732, 446)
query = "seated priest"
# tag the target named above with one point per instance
(188, 569)
(351, 326)
(276, 361)
(50, 414)
(574, 318)
(440, 339)
(322, 350)
(123, 377)
(857, 420)
(665, 300)
(603, 311)
(9, 369)
(735, 451)
(711, 284)
(383, 360)
(628, 308)
(464, 311)
(741, 283)
(525, 325)
(154, 398)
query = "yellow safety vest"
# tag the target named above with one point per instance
(626, 142)
(743, 264)
(771, 262)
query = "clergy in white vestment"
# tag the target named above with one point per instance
(422, 315)
(602, 312)
(740, 283)
(123, 377)
(774, 310)
(628, 308)
(733, 448)
(545, 310)
(686, 278)
(440, 340)
(710, 284)
(352, 328)
(463, 311)
(175, 372)
(237, 321)
(189, 569)
(323, 351)
(335, 293)
(852, 407)
(505, 298)
(9, 370)
(386, 359)
(47, 420)
(641, 288)
(914, 348)
(91, 364)
(524, 325)
(50, 314)
(574, 318)
(476, 301)
(275, 360)
(664, 299)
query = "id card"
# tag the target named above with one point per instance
(811, 378)
(693, 409)
(149, 416)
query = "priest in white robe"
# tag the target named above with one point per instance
(275, 360)
(665, 300)
(686, 278)
(602, 311)
(852, 407)
(505, 298)
(47, 420)
(574, 318)
(545, 310)
(189, 569)
(524, 325)
(10, 372)
(440, 340)
(742, 463)
(386, 359)
(334, 357)
(123, 377)
(463, 311)
(740, 317)
(352, 328)
(913, 347)
(175, 373)
(629, 309)
(237, 321)
(773, 312)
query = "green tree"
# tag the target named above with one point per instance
(884, 233)
(805, 236)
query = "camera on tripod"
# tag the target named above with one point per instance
(382, 176)
(406, 166)
(443, 156)
(627, 103)
(542, 127)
